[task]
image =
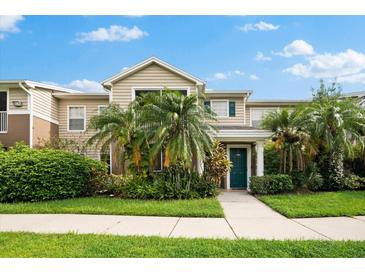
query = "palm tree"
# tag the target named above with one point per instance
(176, 124)
(114, 126)
(336, 125)
(288, 137)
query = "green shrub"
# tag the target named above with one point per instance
(176, 182)
(271, 184)
(35, 175)
(315, 181)
(272, 159)
(299, 178)
(216, 164)
(354, 182)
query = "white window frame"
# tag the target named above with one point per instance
(220, 100)
(68, 118)
(248, 154)
(101, 106)
(110, 158)
(7, 110)
(160, 88)
(262, 109)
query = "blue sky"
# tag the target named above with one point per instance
(275, 56)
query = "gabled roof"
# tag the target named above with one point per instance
(147, 62)
(85, 95)
(50, 86)
(34, 84)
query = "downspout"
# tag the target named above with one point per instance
(110, 95)
(30, 107)
(244, 110)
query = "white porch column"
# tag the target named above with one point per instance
(260, 158)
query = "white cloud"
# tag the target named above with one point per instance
(346, 65)
(238, 72)
(254, 77)
(352, 79)
(85, 85)
(113, 33)
(261, 57)
(220, 76)
(261, 26)
(8, 23)
(295, 48)
(226, 75)
(81, 85)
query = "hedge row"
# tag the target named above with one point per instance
(35, 175)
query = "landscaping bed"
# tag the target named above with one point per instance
(104, 246)
(322, 204)
(115, 206)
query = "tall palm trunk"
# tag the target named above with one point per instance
(290, 158)
(117, 161)
(284, 161)
(281, 160)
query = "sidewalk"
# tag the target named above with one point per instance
(246, 217)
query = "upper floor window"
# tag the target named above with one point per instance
(3, 111)
(220, 107)
(76, 118)
(223, 108)
(257, 115)
(141, 91)
(3, 100)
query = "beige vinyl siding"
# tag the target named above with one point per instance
(263, 107)
(17, 94)
(91, 110)
(45, 104)
(238, 119)
(150, 77)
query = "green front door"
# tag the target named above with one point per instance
(238, 173)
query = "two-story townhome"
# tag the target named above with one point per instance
(35, 112)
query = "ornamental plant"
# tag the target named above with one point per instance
(216, 164)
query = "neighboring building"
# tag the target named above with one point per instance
(36, 113)
(358, 94)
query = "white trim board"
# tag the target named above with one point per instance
(248, 147)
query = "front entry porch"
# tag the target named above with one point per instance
(245, 149)
(247, 160)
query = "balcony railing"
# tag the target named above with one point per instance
(3, 121)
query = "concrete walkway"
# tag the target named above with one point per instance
(250, 218)
(246, 217)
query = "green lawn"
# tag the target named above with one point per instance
(115, 206)
(72, 245)
(324, 204)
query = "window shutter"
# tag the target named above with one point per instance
(232, 109)
(207, 104)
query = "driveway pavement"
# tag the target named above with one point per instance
(246, 217)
